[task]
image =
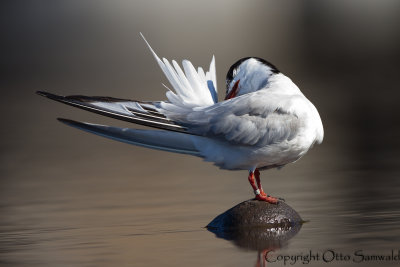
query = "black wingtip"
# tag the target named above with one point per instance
(42, 93)
(48, 95)
(69, 122)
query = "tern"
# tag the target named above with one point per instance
(264, 121)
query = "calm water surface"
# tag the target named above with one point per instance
(68, 198)
(121, 208)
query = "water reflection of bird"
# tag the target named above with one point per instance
(265, 241)
(264, 122)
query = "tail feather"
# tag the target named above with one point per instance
(155, 139)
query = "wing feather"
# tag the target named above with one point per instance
(193, 88)
(155, 139)
(244, 120)
(143, 113)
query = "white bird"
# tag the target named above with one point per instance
(264, 122)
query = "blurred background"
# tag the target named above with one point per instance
(71, 198)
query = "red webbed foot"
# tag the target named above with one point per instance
(269, 199)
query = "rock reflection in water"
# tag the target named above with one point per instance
(258, 226)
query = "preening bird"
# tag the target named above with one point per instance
(264, 121)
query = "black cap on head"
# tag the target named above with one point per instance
(230, 75)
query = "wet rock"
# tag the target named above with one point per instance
(254, 213)
(257, 225)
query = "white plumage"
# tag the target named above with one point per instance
(267, 122)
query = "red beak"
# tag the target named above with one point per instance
(234, 91)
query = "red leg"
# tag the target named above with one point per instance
(252, 182)
(257, 175)
(257, 191)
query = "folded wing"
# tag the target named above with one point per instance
(256, 119)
